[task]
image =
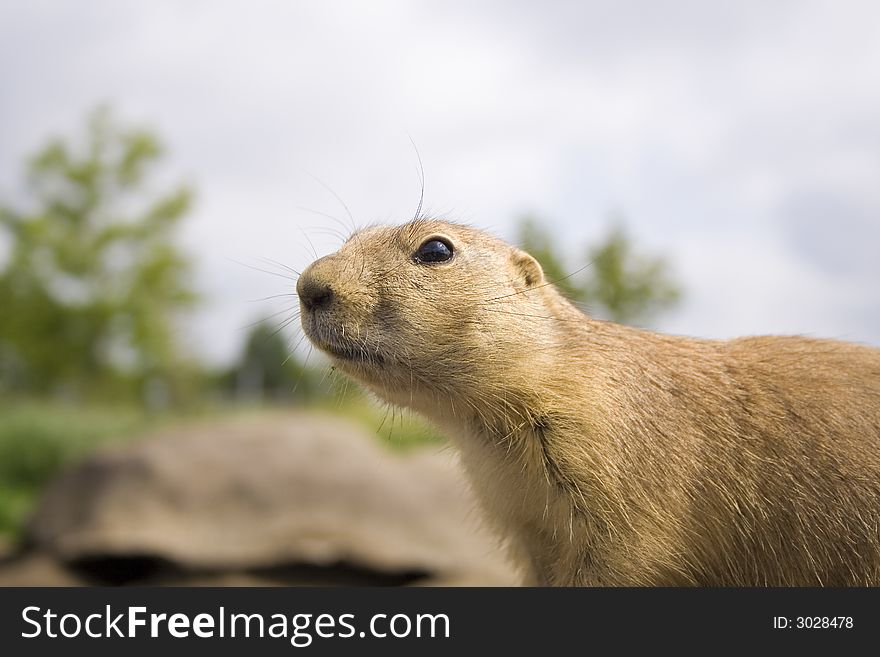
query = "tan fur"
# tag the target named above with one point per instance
(610, 455)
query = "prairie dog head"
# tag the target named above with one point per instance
(426, 310)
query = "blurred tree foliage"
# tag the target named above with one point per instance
(618, 282)
(92, 282)
(267, 370)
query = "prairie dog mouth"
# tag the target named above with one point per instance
(342, 348)
(350, 352)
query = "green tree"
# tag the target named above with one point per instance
(616, 281)
(92, 282)
(267, 371)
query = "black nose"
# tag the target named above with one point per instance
(313, 294)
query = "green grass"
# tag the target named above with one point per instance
(37, 439)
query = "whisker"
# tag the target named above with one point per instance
(421, 172)
(337, 197)
(309, 240)
(328, 230)
(265, 319)
(280, 264)
(292, 350)
(274, 296)
(326, 215)
(320, 213)
(308, 355)
(304, 371)
(265, 271)
(284, 324)
(384, 418)
(545, 284)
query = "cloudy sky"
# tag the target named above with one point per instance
(740, 139)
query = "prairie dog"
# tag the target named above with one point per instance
(604, 454)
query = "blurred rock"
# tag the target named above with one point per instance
(37, 570)
(277, 499)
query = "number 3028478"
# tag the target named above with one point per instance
(813, 623)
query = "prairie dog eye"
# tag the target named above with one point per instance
(433, 250)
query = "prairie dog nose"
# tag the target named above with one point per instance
(314, 292)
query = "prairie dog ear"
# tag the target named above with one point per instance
(528, 270)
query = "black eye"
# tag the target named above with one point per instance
(434, 250)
